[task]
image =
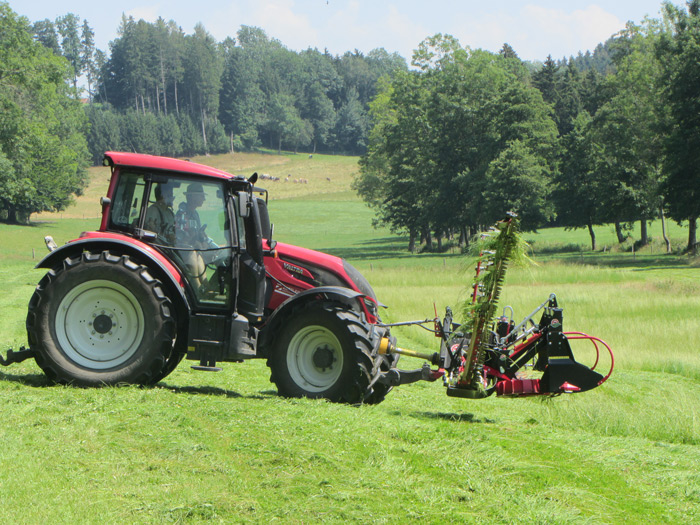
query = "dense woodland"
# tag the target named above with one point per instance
(165, 92)
(448, 143)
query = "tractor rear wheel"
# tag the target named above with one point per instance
(323, 350)
(100, 319)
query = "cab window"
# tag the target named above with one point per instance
(186, 219)
(127, 202)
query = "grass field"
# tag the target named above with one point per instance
(224, 448)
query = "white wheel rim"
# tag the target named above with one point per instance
(315, 358)
(99, 324)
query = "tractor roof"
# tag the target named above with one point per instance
(140, 160)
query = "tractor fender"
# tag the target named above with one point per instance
(334, 293)
(159, 265)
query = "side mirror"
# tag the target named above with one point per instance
(244, 205)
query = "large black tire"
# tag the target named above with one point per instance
(326, 350)
(380, 390)
(176, 356)
(100, 319)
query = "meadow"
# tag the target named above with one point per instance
(225, 448)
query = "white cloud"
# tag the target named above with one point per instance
(571, 32)
(535, 31)
(282, 20)
(404, 34)
(347, 29)
(149, 13)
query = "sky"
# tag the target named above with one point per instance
(534, 28)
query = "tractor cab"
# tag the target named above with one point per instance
(209, 228)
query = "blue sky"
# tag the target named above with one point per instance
(534, 28)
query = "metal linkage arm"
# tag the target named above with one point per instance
(16, 357)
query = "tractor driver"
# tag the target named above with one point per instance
(190, 232)
(189, 225)
(160, 217)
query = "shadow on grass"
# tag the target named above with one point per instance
(199, 390)
(383, 248)
(553, 249)
(640, 263)
(35, 380)
(31, 224)
(451, 416)
(215, 391)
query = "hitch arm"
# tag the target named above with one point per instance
(16, 357)
(395, 377)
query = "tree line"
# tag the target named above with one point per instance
(161, 90)
(467, 135)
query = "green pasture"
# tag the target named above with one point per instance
(223, 448)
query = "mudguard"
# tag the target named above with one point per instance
(97, 242)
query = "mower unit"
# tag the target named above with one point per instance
(486, 355)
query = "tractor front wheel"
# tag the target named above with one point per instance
(100, 319)
(323, 351)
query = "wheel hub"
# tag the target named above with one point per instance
(323, 357)
(102, 324)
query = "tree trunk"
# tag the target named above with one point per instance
(428, 240)
(162, 81)
(462, 237)
(692, 235)
(11, 215)
(438, 236)
(663, 229)
(177, 106)
(412, 241)
(644, 233)
(618, 232)
(204, 133)
(592, 234)
(89, 84)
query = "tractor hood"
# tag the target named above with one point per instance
(321, 269)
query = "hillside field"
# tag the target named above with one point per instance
(224, 448)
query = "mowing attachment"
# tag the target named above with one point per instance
(485, 354)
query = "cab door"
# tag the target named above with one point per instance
(251, 282)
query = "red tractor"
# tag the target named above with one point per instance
(203, 279)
